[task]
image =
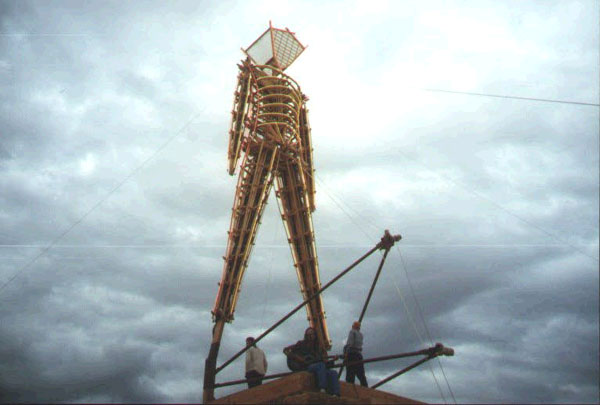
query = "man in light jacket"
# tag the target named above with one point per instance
(256, 364)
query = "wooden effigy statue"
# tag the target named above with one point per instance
(271, 132)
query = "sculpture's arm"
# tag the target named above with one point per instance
(239, 114)
(307, 155)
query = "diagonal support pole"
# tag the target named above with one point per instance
(296, 309)
(437, 350)
(391, 239)
(404, 370)
(365, 306)
(386, 242)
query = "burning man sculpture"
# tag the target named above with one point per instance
(269, 126)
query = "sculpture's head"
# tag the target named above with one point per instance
(275, 47)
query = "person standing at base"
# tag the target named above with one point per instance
(353, 352)
(256, 364)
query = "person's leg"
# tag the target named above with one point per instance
(361, 376)
(333, 384)
(350, 370)
(252, 377)
(360, 371)
(318, 369)
(350, 374)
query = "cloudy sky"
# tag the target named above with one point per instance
(115, 201)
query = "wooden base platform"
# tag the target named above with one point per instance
(300, 388)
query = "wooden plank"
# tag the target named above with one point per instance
(371, 396)
(300, 388)
(273, 391)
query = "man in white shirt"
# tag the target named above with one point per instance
(256, 364)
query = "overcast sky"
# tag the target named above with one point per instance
(114, 120)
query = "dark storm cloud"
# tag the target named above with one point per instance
(74, 350)
(88, 318)
(496, 199)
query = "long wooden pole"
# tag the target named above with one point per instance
(404, 370)
(362, 313)
(210, 369)
(430, 353)
(298, 307)
(366, 304)
(208, 392)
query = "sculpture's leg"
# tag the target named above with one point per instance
(210, 364)
(254, 184)
(296, 214)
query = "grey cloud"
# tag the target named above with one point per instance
(496, 200)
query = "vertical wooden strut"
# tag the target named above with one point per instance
(254, 184)
(270, 125)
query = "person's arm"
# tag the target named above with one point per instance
(248, 360)
(265, 363)
(289, 352)
(351, 339)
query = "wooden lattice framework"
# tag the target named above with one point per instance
(270, 128)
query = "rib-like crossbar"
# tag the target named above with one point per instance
(270, 125)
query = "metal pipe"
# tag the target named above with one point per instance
(267, 377)
(366, 304)
(298, 307)
(362, 313)
(424, 352)
(427, 352)
(404, 370)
